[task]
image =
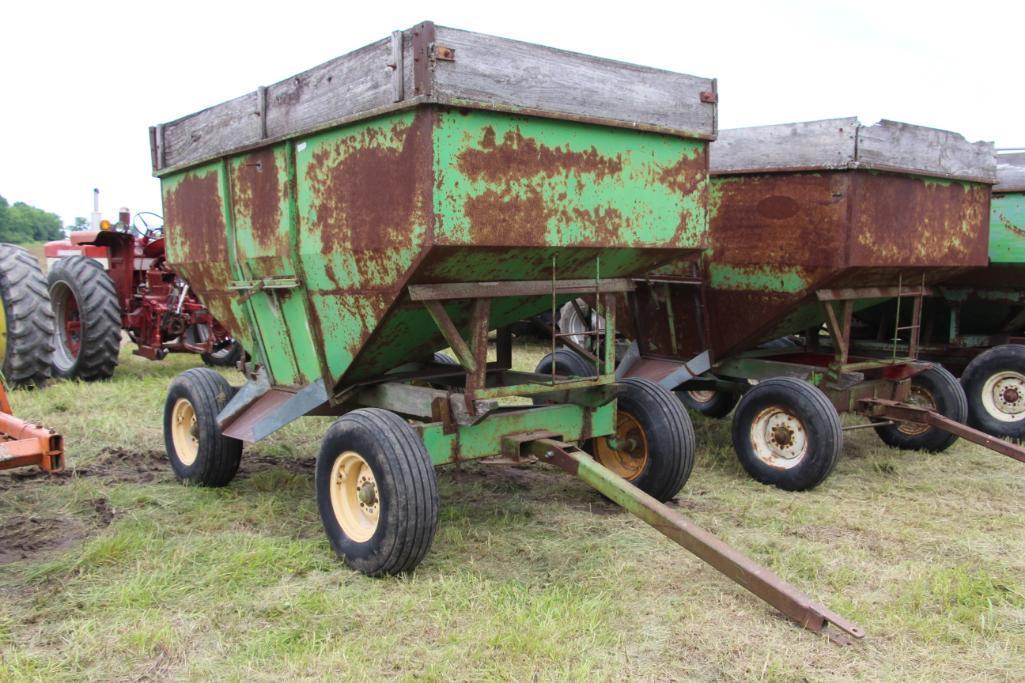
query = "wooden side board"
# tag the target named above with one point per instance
(434, 64)
(846, 143)
(1010, 172)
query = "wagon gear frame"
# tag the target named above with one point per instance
(346, 235)
(27, 444)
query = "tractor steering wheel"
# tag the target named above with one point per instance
(150, 233)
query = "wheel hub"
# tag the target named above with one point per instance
(355, 499)
(921, 398)
(779, 438)
(185, 431)
(1003, 396)
(702, 395)
(626, 454)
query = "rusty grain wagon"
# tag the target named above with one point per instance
(419, 193)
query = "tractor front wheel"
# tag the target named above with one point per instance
(26, 319)
(199, 453)
(787, 434)
(994, 384)
(87, 335)
(654, 444)
(376, 492)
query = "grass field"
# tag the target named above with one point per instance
(117, 572)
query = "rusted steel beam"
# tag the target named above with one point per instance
(759, 580)
(449, 330)
(902, 412)
(480, 316)
(489, 290)
(851, 293)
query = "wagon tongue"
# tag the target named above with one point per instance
(760, 580)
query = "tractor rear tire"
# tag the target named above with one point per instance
(26, 319)
(939, 390)
(710, 403)
(655, 441)
(376, 492)
(786, 433)
(994, 384)
(87, 329)
(199, 453)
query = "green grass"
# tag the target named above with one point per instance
(532, 576)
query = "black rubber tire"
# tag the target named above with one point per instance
(444, 359)
(669, 434)
(228, 357)
(99, 312)
(719, 405)
(406, 486)
(218, 456)
(25, 299)
(999, 359)
(568, 363)
(779, 343)
(816, 414)
(950, 401)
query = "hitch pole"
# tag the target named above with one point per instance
(761, 581)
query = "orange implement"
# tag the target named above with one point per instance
(23, 444)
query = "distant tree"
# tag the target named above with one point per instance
(21, 222)
(80, 223)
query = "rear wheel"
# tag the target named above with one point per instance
(709, 402)
(87, 335)
(227, 356)
(376, 492)
(26, 319)
(654, 444)
(199, 453)
(994, 385)
(935, 389)
(787, 434)
(565, 362)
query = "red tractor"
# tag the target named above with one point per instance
(115, 277)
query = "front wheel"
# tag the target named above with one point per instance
(199, 453)
(935, 389)
(787, 434)
(377, 493)
(994, 385)
(654, 444)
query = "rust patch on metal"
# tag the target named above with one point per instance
(778, 207)
(522, 157)
(1007, 223)
(256, 194)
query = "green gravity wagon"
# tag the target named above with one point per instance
(974, 322)
(426, 192)
(808, 224)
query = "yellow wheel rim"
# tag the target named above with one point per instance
(184, 431)
(3, 333)
(354, 496)
(630, 455)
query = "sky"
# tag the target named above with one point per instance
(80, 83)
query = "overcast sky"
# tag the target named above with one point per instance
(82, 82)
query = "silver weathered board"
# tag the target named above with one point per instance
(1010, 171)
(846, 143)
(434, 64)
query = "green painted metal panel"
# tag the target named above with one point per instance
(570, 422)
(1007, 228)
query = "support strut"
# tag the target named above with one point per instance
(902, 412)
(23, 444)
(754, 577)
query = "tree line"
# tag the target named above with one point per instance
(20, 222)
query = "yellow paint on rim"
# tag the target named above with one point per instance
(355, 499)
(630, 456)
(3, 333)
(921, 398)
(184, 431)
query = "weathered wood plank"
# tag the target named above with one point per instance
(1010, 172)
(847, 143)
(490, 71)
